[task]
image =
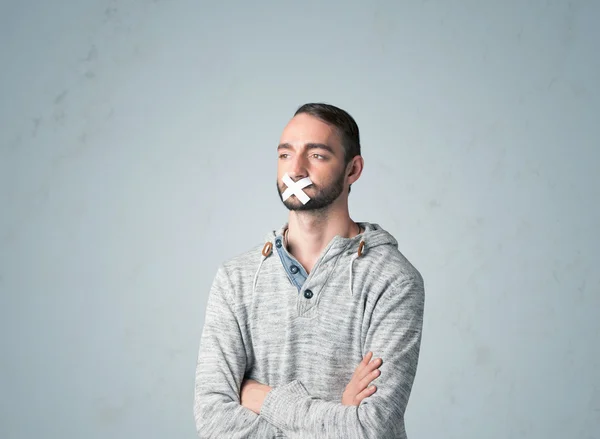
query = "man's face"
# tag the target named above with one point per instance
(310, 148)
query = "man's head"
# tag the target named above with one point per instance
(321, 142)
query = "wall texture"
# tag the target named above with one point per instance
(137, 152)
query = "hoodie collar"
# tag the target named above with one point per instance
(356, 247)
(373, 235)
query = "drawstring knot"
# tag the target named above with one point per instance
(267, 249)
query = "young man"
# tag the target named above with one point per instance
(297, 329)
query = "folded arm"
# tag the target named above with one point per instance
(220, 371)
(394, 335)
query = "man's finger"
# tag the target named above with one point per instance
(363, 383)
(375, 364)
(363, 363)
(367, 358)
(365, 393)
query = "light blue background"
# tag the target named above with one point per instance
(137, 152)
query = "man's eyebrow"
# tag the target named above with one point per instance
(309, 146)
(284, 146)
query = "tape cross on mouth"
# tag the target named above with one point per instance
(295, 188)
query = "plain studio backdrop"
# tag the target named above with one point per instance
(138, 152)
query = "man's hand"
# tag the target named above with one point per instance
(252, 395)
(357, 389)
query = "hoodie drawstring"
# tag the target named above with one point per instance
(266, 252)
(353, 258)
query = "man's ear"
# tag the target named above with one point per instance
(354, 168)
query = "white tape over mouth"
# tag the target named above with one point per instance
(295, 188)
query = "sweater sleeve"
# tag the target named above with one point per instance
(220, 371)
(394, 334)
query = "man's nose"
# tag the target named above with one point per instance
(298, 168)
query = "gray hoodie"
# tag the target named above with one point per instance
(305, 339)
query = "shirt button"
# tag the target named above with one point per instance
(294, 269)
(278, 243)
(308, 294)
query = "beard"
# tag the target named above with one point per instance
(323, 197)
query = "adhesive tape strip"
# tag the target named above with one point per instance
(295, 188)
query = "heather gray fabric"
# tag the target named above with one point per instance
(259, 326)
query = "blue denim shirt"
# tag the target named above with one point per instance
(295, 271)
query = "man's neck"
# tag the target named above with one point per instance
(310, 232)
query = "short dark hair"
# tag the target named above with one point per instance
(341, 120)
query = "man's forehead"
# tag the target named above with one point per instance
(304, 129)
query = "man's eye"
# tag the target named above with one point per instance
(281, 156)
(319, 156)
